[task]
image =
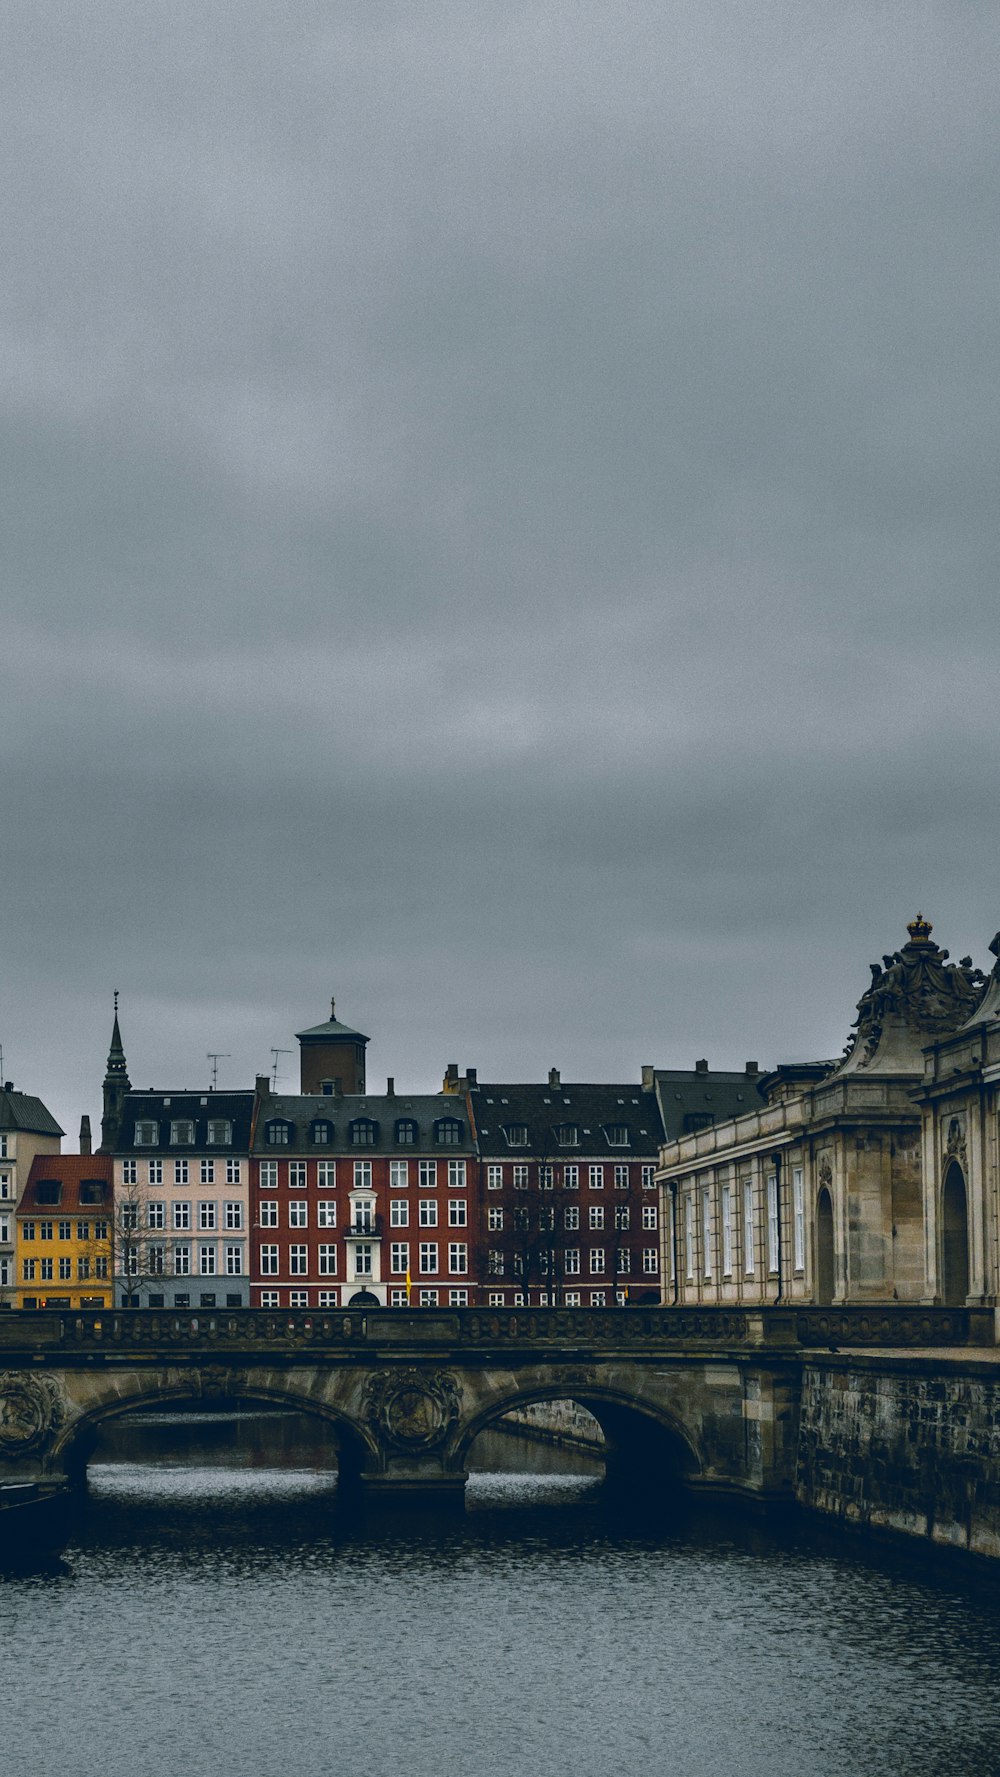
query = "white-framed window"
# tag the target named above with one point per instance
(220, 1132)
(45, 1268)
(798, 1220)
(546, 1178)
(397, 1299)
(363, 1263)
(399, 1257)
(650, 1216)
(428, 1212)
(234, 1260)
(298, 1214)
(727, 1231)
(595, 1215)
(298, 1298)
(518, 1299)
(772, 1222)
(494, 1219)
(234, 1174)
(208, 1172)
(650, 1260)
(326, 1176)
(517, 1135)
(571, 1217)
(155, 1170)
(232, 1211)
(399, 1213)
(458, 1212)
(494, 1178)
(595, 1178)
(6, 1147)
(362, 1175)
(328, 1298)
(623, 1261)
(623, 1216)
(689, 1237)
(155, 1214)
(5, 1190)
(597, 1262)
(598, 1299)
(428, 1298)
(706, 1233)
(182, 1214)
(495, 1262)
(457, 1175)
(147, 1135)
(495, 1299)
(428, 1256)
(571, 1178)
(297, 1175)
(65, 1270)
(269, 1175)
(269, 1298)
(648, 1180)
(298, 1261)
(520, 1176)
(269, 1260)
(327, 1259)
(206, 1216)
(621, 1178)
(427, 1174)
(571, 1258)
(749, 1232)
(182, 1261)
(399, 1174)
(268, 1212)
(458, 1298)
(571, 1299)
(458, 1258)
(207, 1261)
(180, 1172)
(130, 1172)
(617, 1134)
(326, 1214)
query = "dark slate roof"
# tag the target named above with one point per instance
(331, 1030)
(70, 1172)
(425, 1109)
(165, 1108)
(692, 1098)
(19, 1110)
(592, 1109)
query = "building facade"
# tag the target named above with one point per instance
(27, 1129)
(64, 1224)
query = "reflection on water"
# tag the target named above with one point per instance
(218, 1613)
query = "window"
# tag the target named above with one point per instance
(100, 1232)
(572, 1299)
(233, 1214)
(182, 1261)
(298, 1261)
(322, 1133)
(269, 1175)
(621, 1178)
(297, 1175)
(706, 1232)
(458, 1258)
(772, 1222)
(522, 1220)
(298, 1215)
(622, 1215)
(798, 1220)
(362, 1175)
(458, 1298)
(617, 1134)
(65, 1270)
(596, 1217)
(182, 1133)
(428, 1212)
(596, 1261)
(494, 1178)
(269, 1260)
(517, 1135)
(233, 1173)
(689, 1237)
(206, 1261)
(495, 1299)
(326, 1174)
(269, 1298)
(596, 1178)
(448, 1132)
(362, 1261)
(207, 1216)
(458, 1213)
(571, 1217)
(427, 1174)
(155, 1170)
(234, 1260)
(572, 1261)
(277, 1133)
(428, 1256)
(92, 1190)
(520, 1178)
(219, 1133)
(182, 1214)
(364, 1132)
(45, 1270)
(568, 1135)
(495, 1262)
(327, 1259)
(571, 1178)
(598, 1299)
(101, 1265)
(727, 1232)
(650, 1215)
(156, 1257)
(327, 1298)
(147, 1135)
(28, 1270)
(130, 1172)
(156, 1214)
(399, 1174)
(650, 1260)
(406, 1132)
(5, 1190)
(648, 1181)
(749, 1240)
(298, 1298)
(546, 1178)
(494, 1220)
(27, 1230)
(326, 1214)
(269, 1212)
(180, 1172)
(363, 1215)
(208, 1172)
(399, 1213)
(428, 1298)
(456, 1175)
(82, 1269)
(623, 1261)
(399, 1257)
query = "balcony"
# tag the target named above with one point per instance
(369, 1229)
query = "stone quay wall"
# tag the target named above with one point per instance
(894, 1442)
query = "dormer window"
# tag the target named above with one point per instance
(568, 1135)
(448, 1132)
(47, 1190)
(364, 1132)
(617, 1135)
(147, 1135)
(220, 1133)
(517, 1135)
(406, 1132)
(322, 1133)
(277, 1133)
(182, 1133)
(92, 1190)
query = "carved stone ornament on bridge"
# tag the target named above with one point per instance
(216, 1382)
(31, 1408)
(413, 1409)
(955, 1146)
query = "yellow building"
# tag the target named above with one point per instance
(64, 1229)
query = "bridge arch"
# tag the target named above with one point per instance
(644, 1440)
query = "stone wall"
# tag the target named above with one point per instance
(905, 1444)
(556, 1422)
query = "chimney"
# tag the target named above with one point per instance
(8, 1085)
(472, 1076)
(86, 1146)
(701, 1067)
(390, 1087)
(648, 1077)
(752, 1068)
(263, 1086)
(326, 1087)
(553, 1077)
(450, 1077)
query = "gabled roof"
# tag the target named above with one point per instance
(592, 1110)
(695, 1098)
(303, 1110)
(19, 1110)
(71, 1172)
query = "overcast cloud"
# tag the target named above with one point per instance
(499, 522)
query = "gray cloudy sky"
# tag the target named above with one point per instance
(499, 521)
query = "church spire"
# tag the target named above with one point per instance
(116, 1084)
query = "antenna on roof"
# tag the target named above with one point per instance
(215, 1056)
(274, 1066)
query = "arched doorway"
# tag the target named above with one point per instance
(364, 1299)
(824, 1247)
(954, 1238)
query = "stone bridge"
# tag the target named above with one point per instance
(705, 1398)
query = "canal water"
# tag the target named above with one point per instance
(217, 1612)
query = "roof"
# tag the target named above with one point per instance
(695, 1098)
(303, 1110)
(19, 1110)
(592, 1110)
(199, 1108)
(331, 1031)
(71, 1172)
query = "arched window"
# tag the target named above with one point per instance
(824, 1248)
(278, 1133)
(954, 1238)
(364, 1132)
(448, 1132)
(406, 1132)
